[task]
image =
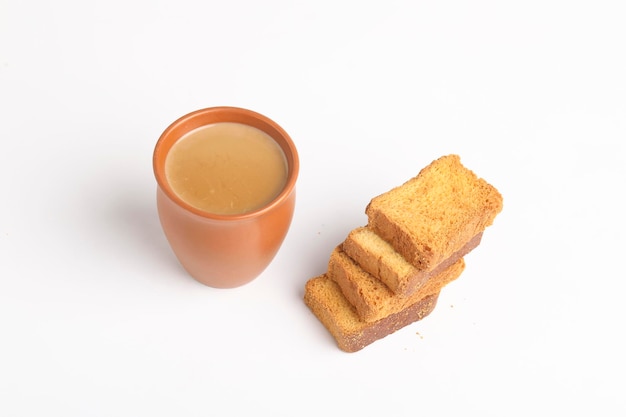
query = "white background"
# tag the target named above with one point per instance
(98, 319)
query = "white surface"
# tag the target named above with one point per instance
(98, 319)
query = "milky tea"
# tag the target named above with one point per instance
(226, 168)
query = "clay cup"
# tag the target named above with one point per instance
(224, 251)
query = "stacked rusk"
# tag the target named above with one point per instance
(389, 273)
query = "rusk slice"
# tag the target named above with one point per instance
(380, 259)
(325, 299)
(371, 298)
(434, 214)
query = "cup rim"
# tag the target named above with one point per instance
(217, 114)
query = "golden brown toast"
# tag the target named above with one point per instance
(371, 298)
(434, 214)
(325, 299)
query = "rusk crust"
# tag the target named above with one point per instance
(325, 299)
(435, 213)
(371, 298)
(380, 259)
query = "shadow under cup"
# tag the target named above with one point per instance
(224, 251)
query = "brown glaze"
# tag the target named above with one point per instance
(224, 251)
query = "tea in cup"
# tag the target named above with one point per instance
(225, 192)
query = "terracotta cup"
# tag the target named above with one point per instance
(224, 251)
